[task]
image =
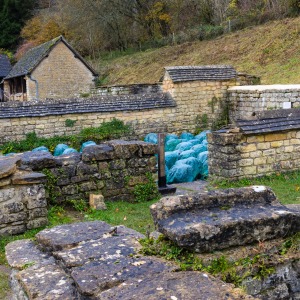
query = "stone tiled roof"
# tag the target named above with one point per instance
(202, 73)
(5, 65)
(271, 121)
(96, 104)
(33, 57)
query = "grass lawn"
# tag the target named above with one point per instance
(286, 186)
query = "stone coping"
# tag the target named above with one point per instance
(262, 88)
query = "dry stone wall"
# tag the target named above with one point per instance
(23, 202)
(235, 156)
(247, 101)
(112, 169)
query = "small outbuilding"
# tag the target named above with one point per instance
(5, 67)
(53, 70)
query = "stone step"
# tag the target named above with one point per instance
(216, 220)
(93, 260)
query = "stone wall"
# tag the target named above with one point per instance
(204, 101)
(60, 75)
(235, 155)
(112, 169)
(127, 89)
(246, 101)
(23, 204)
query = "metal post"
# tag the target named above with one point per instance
(162, 180)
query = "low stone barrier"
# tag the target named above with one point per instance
(264, 145)
(95, 261)
(112, 169)
(220, 219)
(23, 203)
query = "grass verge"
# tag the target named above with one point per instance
(286, 186)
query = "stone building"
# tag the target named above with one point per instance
(5, 67)
(52, 70)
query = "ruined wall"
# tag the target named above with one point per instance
(112, 169)
(235, 156)
(60, 75)
(23, 204)
(246, 101)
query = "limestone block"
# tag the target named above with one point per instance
(260, 161)
(263, 146)
(275, 137)
(96, 201)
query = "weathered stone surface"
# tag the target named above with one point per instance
(25, 252)
(47, 282)
(174, 286)
(22, 207)
(97, 202)
(98, 276)
(124, 149)
(68, 236)
(28, 178)
(8, 166)
(105, 267)
(224, 218)
(39, 160)
(5, 182)
(97, 152)
(68, 159)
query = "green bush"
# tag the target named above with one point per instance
(107, 130)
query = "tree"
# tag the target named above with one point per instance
(13, 14)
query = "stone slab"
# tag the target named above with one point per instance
(108, 247)
(25, 252)
(221, 219)
(8, 166)
(97, 276)
(39, 160)
(174, 286)
(110, 268)
(28, 178)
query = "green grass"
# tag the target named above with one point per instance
(286, 186)
(4, 286)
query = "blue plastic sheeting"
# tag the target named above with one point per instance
(69, 151)
(171, 145)
(199, 148)
(87, 144)
(170, 137)
(194, 163)
(180, 173)
(171, 158)
(187, 154)
(42, 148)
(202, 157)
(184, 146)
(10, 154)
(151, 138)
(59, 149)
(187, 136)
(202, 136)
(195, 142)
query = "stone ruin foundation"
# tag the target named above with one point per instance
(23, 204)
(93, 260)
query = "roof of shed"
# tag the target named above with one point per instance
(33, 57)
(201, 73)
(5, 65)
(271, 121)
